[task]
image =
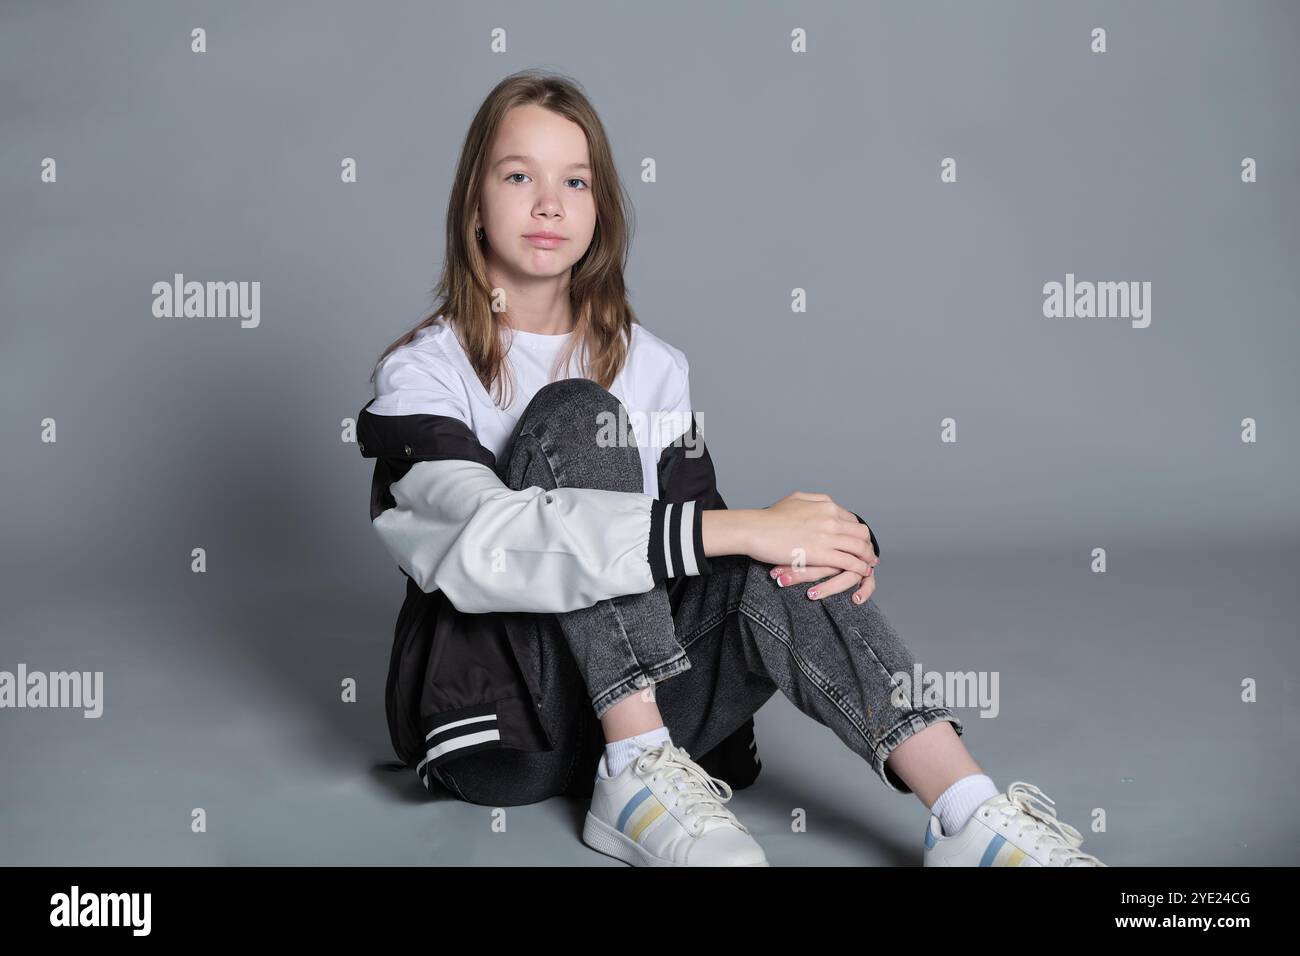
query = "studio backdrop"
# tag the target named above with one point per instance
(1013, 281)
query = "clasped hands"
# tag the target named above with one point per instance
(827, 540)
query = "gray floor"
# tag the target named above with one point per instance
(1118, 691)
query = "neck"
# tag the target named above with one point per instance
(540, 306)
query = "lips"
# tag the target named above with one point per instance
(545, 240)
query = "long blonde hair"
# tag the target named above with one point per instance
(603, 318)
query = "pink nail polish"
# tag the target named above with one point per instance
(812, 594)
(783, 580)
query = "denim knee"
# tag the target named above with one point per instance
(570, 402)
(574, 433)
(572, 390)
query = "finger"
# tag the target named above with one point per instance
(813, 571)
(841, 582)
(851, 525)
(866, 590)
(786, 576)
(868, 549)
(845, 561)
(856, 529)
(855, 544)
(810, 495)
(865, 531)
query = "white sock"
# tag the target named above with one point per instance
(956, 804)
(620, 753)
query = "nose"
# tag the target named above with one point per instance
(548, 202)
(548, 207)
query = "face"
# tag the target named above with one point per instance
(538, 181)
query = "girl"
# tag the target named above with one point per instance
(583, 610)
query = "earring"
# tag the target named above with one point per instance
(478, 233)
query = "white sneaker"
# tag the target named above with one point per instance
(665, 810)
(1009, 829)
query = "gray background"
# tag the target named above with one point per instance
(1118, 690)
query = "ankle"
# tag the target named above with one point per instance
(620, 753)
(956, 804)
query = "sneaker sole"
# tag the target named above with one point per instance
(603, 838)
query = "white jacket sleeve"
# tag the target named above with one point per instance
(457, 528)
(451, 524)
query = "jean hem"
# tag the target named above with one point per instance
(624, 688)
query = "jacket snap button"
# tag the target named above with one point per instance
(361, 445)
(408, 449)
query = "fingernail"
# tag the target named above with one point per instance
(774, 572)
(857, 598)
(783, 580)
(812, 594)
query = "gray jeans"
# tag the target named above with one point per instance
(716, 646)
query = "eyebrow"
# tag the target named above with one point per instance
(528, 159)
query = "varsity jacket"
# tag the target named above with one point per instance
(457, 683)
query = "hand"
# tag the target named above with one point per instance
(812, 529)
(839, 581)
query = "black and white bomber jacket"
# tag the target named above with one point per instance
(456, 685)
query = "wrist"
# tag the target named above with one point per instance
(727, 530)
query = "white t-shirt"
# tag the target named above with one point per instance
(653, 386)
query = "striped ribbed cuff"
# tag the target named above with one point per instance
(676, 539)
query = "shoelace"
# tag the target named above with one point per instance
(701, 795)
(1034, 812)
